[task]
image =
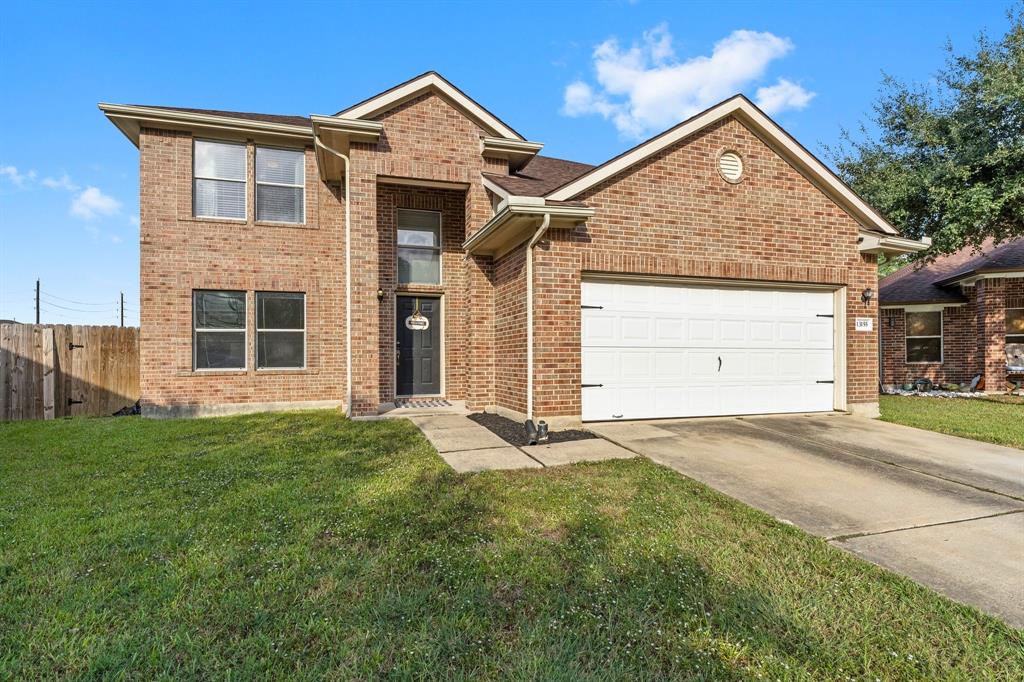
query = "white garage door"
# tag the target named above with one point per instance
(667, 350)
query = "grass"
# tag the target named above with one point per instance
(996, 419)
(307, 546)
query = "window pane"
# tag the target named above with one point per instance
(218, 309)
(1015, 351)
(280, 311)
(423, 220)
(219, 199)
(219, 160)
(417, 238)
(279, 204)
(924, 324)
(1015, 321)
(280, 349)
(419, 266)
(924, 350)
(220, 350)
(283, 166)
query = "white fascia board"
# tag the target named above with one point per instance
(130, 119)
(970, 280)
(891, 244)
(407, 91)
(768, 130)
(494, 187)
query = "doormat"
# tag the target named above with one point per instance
(422, 403)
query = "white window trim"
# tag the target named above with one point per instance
(258, 182)
(244, 329)
(244, 182)
(1007, 335)
(256, 321)
(942, 344)
(439, 248)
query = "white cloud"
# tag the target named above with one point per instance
(783, 95)
(63, 182)
(17, 178)
(91, 203)
(647, 87)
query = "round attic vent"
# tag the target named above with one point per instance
(730, 165)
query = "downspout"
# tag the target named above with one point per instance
(348, 278)
(537, 236)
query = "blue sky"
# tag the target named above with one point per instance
(588, 80)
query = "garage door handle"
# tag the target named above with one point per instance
(591, 385)
(719, 363)
(824, 381)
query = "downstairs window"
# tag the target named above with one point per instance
(218, 330)
(1015, 337)
(924, 336)
(280, 330)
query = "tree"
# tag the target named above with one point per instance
(948, 159)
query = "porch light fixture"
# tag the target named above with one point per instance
(380, 294)
(867, 295)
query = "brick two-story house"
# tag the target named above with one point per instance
(956, 317)
(416, 245)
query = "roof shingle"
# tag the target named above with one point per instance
(266, 118)
(920, 283)
(541, 175)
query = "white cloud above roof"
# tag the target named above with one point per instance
(646, 88)
(92, 203)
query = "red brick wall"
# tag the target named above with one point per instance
(426, 139)
(973, 338)
(674, 215)
(179, 253)
(510, 330)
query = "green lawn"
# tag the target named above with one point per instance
(999, 419)
(307, 546)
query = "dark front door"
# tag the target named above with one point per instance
(418, 345)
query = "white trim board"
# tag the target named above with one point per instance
(762, 126)
(431, 81)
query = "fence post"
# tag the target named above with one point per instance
(49, 380)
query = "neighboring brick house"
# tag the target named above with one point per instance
(955, 318)
(416, 245)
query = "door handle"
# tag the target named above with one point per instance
(719, 363)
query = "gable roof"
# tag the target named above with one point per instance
(538, 177)
(761, 125)
(935, 282)
(431, 81)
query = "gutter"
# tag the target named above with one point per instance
(348, 276)
(545, 223)
(514, 206)
(872, 242)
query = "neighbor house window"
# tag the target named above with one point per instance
(218, 324)
(1015, 337)
(924, 336)
(218, 182)
(419, 247)
(280, 330)
(280, 185)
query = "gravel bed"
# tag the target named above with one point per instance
(514, 433)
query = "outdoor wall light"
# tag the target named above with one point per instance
(380, 294)
(867, 295)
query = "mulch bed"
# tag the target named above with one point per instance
(514, 433)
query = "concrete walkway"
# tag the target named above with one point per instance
(467, 446)
(942, 510)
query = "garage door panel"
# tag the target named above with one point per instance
(656, 348)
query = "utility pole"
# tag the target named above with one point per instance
(37, 301)
(122, 308)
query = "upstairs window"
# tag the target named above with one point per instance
(924, 336)
(1015, 337)
(280, 185)
(218, 180)
(280, 330)
(218, 329)
(419, 247)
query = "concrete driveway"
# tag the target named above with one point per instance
(945, 511)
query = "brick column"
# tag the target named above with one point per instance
(365, 280)
(991, 307)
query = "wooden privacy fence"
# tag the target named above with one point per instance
(49, 371)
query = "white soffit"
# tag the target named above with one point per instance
(434, 82)
(759, 123)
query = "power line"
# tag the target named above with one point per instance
(110, 307)
(68, 300)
